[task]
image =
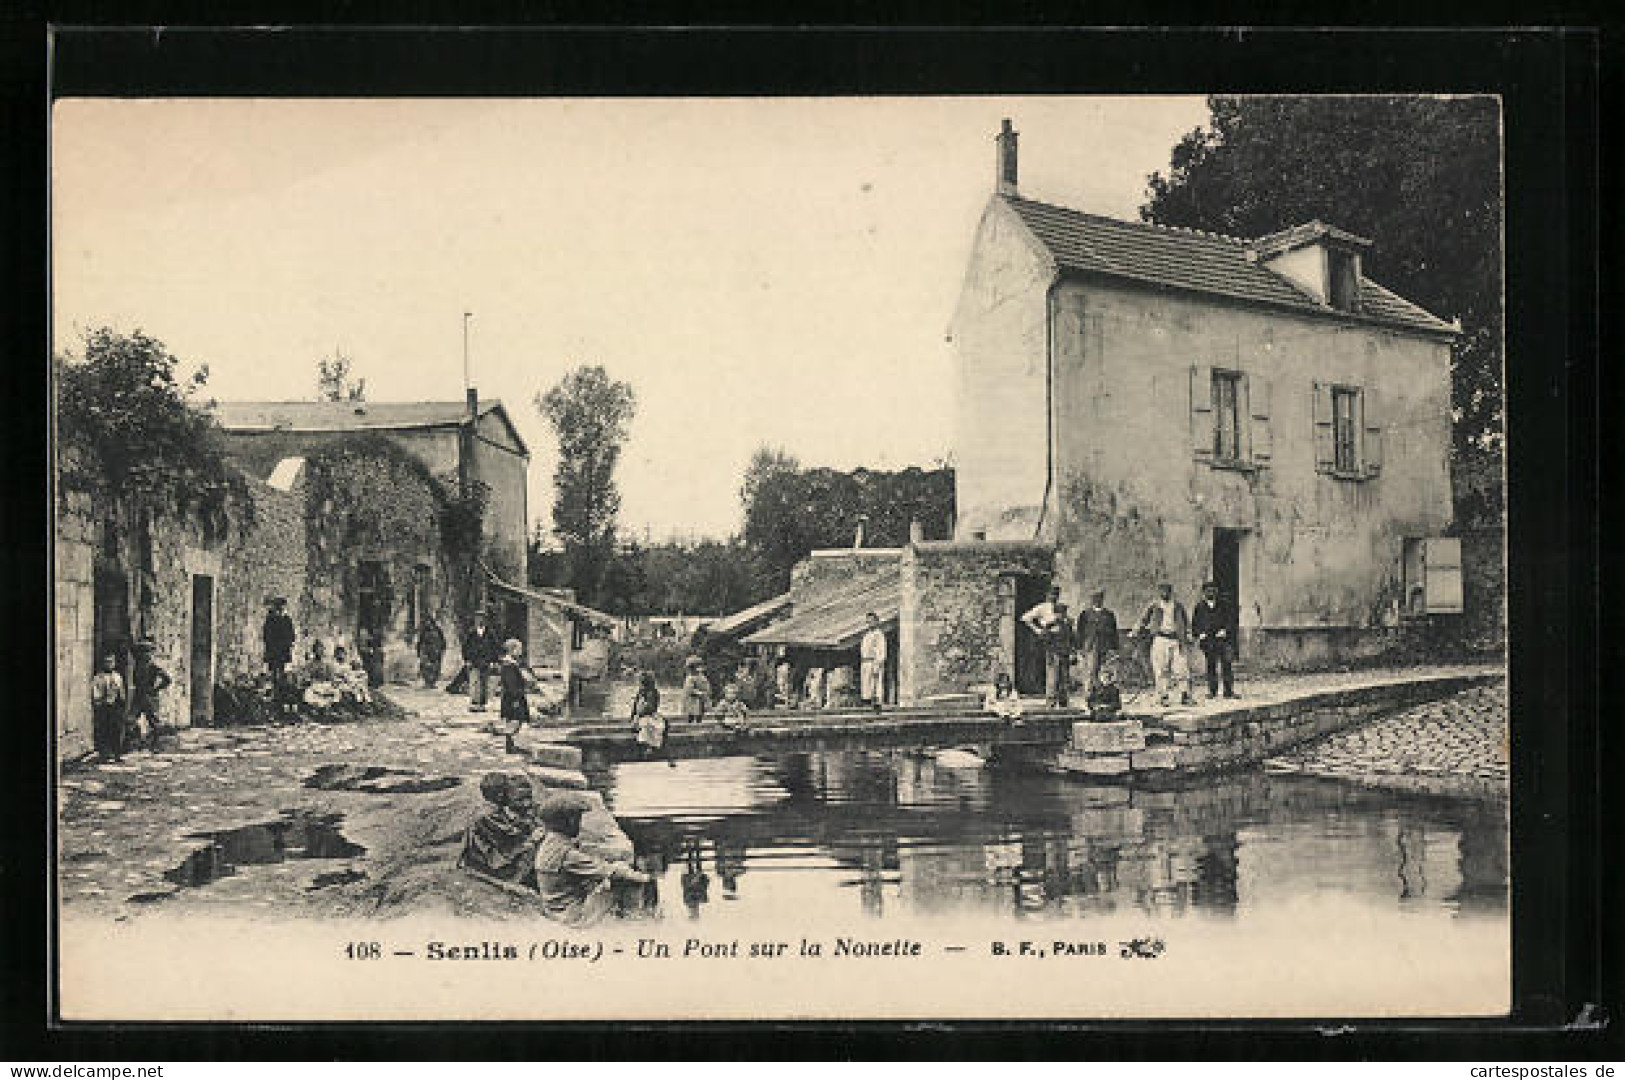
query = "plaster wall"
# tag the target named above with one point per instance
(999, 345)
(1136, 504)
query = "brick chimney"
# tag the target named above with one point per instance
(1005, 178)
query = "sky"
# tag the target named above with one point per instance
(761, 271)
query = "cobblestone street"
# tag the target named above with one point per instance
(1456, 746)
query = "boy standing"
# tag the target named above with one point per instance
(107, 710)
(696, 691)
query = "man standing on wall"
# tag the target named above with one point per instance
(872, 651)
(1097, 638)
(277, 634)
(480, 651)
(1166, 620)
(1048, 620)
(1215, 624)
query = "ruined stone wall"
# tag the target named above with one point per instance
(267, 560)
(75, 554)
(1000, 352)
(1137, 503)
(957, 614)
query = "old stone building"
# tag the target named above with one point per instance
(1160, 404)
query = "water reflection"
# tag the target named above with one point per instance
(889, 832)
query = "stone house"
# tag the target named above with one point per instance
(194, 586)
(1160, 404)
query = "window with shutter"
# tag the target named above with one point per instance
(1345, 410)
(1371, 439)
(1258, 428)
(1202, 412)
(1325, 447)
(1227, 413)
(1443, 570)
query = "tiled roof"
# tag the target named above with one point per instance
(342, 415)
(837, 619)
(1195, 261)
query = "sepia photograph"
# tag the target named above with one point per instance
(895, 557)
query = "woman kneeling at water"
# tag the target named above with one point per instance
(576, 886)
(501, 843)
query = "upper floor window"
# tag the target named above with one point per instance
(1343, 280)
(1230, 418)
(1227, 415)
(1345, 408)
(1347, 431)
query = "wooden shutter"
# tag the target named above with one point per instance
(1325, 442)
(1371, 436)
(1258, 420)
(1202, 412)
(1442, 568)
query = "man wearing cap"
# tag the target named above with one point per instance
(575, 885)
(872, 652)
(147, 681)
(1049, 622)
(480, 650)
(1215, 625)
(277, 633)
(1097, 638)
(1166, 621)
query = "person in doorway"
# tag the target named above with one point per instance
(1216, 625)
(277, 635)
(107, 701)
(1048, 620)
(369, 649)
(1165, 620)
(1097, 638)
(147, 681)
(515, 680)
(431, 649)
(480, 652)
(1002, 700)
(696, 691)
(872, 653)
(576, 886)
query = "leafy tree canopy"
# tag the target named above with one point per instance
(1418, 176)
(590, 414)
(131, 433)
(790, 511)
(333, 382)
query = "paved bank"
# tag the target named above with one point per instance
(1456, 746)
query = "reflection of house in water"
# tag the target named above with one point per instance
(911, 837)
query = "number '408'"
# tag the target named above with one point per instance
(362, 950)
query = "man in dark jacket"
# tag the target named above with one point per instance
(431, 647)
(1215, 625)
(481, 650)
(277, 633)
(1097, 638)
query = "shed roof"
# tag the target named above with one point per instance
(578, 611)
(836, 619)
(743, 619)
(1196, 261)
(323, 416)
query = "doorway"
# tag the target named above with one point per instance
(1029, 673)
(202, 653)
(1227, 566)
(516, 624)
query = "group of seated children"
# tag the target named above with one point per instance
(538, 846)
(1104, 698)
(340, 681)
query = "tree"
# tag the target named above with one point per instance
(1419, 176)
(790, 511)
(590, 414)
(333, 382)
(131, 435)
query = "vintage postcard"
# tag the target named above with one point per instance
(777, 558)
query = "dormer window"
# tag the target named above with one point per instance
(1343, 279)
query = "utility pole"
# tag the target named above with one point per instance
(467, 382)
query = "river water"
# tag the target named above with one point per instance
(874, 834)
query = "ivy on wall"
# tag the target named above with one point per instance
(366, 491)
